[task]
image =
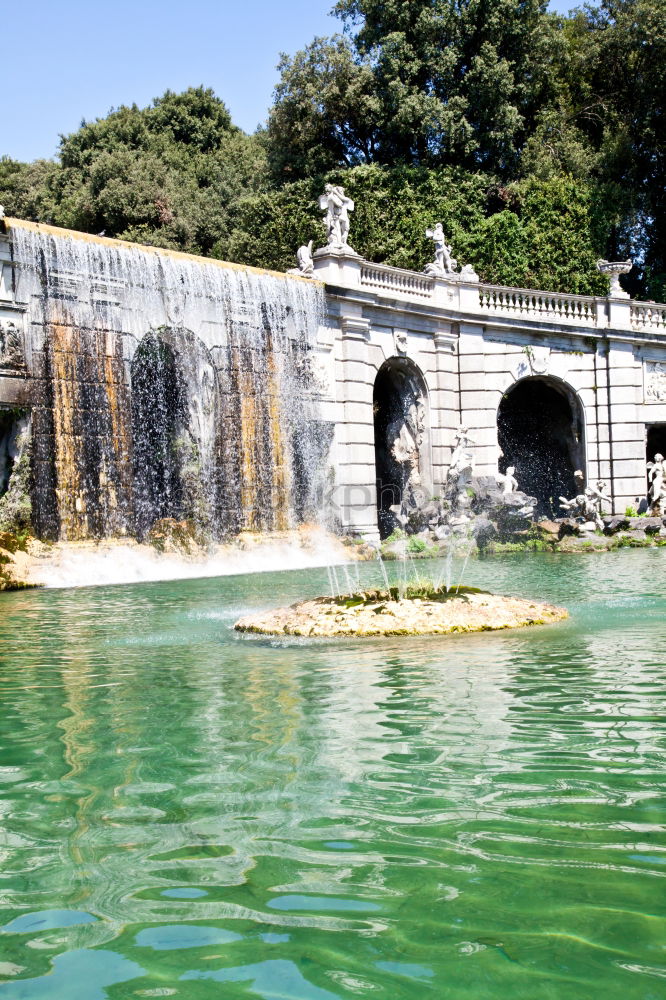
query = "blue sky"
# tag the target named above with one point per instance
(73, 59)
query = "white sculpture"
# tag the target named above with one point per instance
(11, 346)
(574, 507)
(587, 506)
(598, 495)
(337, 206)
(656, 477)
(655, 382)
(305, 262)
(443, 263)
(507, 481)
(613, 269)
(468, 273)
(404, 438)
(400, 341)
(462, 459)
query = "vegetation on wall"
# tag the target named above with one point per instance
(537, 139)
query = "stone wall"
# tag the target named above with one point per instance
(471, 344)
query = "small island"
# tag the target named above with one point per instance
(419, 611)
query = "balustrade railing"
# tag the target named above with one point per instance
(579, 309)
(648, 316)
(397, 280)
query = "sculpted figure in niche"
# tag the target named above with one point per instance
(656, 478)
(336, 206)
(11, 348)
(462, 459)
(404, 440)
(444, 262)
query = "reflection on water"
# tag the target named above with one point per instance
(185, 812)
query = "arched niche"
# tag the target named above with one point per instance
(402, 441)
(15, 467)
(541, 432)
(174, 429)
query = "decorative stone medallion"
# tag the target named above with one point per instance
(535, 361)
(400, 341)
(654, 382)
(322, 380)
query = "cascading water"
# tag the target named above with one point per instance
(171, 386)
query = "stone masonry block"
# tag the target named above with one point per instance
(360, 413)
(480, 399)
(356, 371)
(623, 412)
(626, 376)
(633, 468)
(355, 392)
(472, 363)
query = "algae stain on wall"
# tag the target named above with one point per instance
(207, 431)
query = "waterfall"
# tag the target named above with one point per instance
(167, 386)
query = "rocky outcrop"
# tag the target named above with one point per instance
(376, 613)
(14, 563)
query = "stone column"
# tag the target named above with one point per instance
(355, 497)
(626, 433)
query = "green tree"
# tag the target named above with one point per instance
(427, 82)
(26, 189)
(165, 175)
(615, 85)
(535, 233)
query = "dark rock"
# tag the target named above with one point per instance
(651, 525)
(635, 535)
(546, 529)
(483, 531)
(513, 514)
(568, 527)
(616, 523)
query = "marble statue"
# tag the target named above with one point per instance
(443, 263)
(305, 262)
(574, 507)
(404, 439)
(336, 206)
(507, 481)
(468, 273)
(587, 505)
(11, 347)
(462, 458)
(597, 494)
(657, 479)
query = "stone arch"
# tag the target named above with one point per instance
(15, 467)
(541, 432)
(402, 441)
(175, 429)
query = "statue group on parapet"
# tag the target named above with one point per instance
(337, 206)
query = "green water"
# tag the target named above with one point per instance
(188, 813)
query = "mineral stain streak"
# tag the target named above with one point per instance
(374, 613)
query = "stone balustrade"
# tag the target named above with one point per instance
(648, 316)
(397, 280)
(580, 310)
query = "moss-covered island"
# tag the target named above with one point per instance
(420, 611)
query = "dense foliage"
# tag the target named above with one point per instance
(538, 141)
